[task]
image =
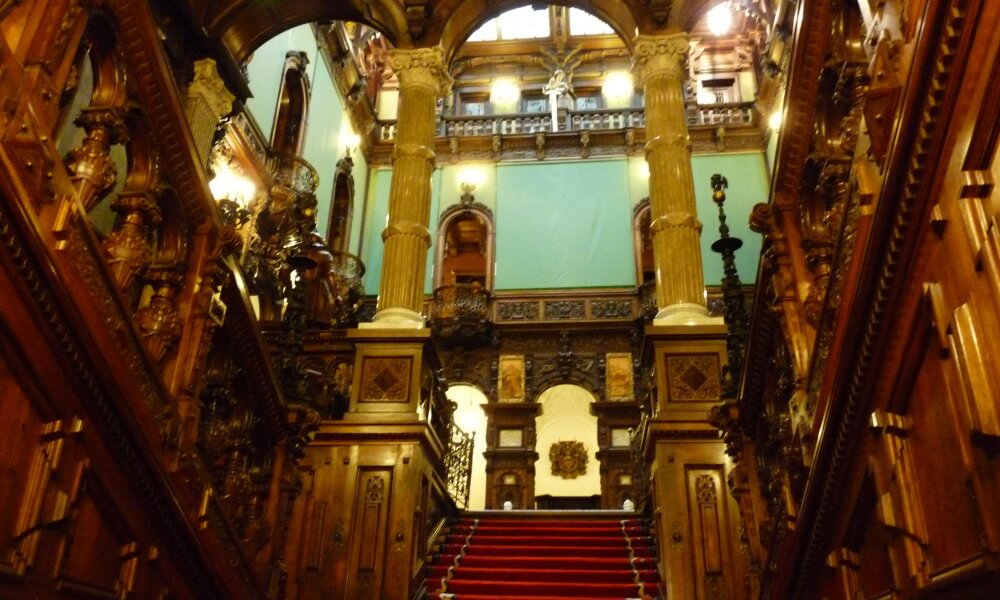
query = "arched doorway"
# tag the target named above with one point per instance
(470, 418)
(566, 436)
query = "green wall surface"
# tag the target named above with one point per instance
(563, 225)
(327, 127)
(748, 185)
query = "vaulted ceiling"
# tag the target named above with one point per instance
(243, 25)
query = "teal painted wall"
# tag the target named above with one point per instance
(568, 224)
(563, 225)
(327, 124)
(265, 68)
(375, 219)
(748, 185)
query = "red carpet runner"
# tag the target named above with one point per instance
(545, 556)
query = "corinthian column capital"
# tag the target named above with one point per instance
(421, 67)
(656, 56)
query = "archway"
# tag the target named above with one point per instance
(564, 425)
(470, 418)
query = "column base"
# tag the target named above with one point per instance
(685, 313)
(395, 318)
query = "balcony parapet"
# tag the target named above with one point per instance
(293, 173)
(461, 313)
(582, 134)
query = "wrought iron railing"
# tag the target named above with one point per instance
(461, 310)
(641, 477)
(647, 300)
(709, 115)
(458, 465)
(292, 172)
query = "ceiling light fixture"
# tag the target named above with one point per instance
(720, 19)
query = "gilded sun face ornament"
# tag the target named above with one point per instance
(569, 459)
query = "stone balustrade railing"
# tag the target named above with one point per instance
(710, 115)
(735, 113)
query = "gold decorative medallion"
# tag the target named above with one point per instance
(569, 459)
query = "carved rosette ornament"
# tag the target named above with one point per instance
(127, 246)
(659, 68)
(423, 78)
(90, 165)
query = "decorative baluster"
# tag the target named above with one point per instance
(127, 246)
(159, 321)
(90, 165)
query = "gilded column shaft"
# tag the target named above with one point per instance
(422, 80)
(676, 231)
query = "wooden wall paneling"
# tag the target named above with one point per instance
(373, 493)
(697, 521)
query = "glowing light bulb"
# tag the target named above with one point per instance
(720, 19)
(774, 121)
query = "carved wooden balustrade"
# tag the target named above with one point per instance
(461, 313)
(184, 468)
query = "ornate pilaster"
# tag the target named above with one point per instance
(422, 79)
(680, 283)
(208, 100)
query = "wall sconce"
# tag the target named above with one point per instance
(233, 191)
(350, 141)
(467, 188)
(468, 179)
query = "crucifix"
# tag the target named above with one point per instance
(556, 87)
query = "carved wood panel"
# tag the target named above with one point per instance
(371, 520)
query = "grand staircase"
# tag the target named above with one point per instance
(545, 555)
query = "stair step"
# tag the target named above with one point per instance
(467, 573)
(540, 588)
(545, 557)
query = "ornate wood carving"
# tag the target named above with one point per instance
(569, 459)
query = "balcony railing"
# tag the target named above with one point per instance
(736, 113)
(292, 172)
(458, 465)
(732, 114)
(461, 311)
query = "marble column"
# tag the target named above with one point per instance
(658, 63)
(423, 78)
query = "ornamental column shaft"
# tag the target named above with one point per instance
(680, 284)
(422, 80)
